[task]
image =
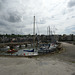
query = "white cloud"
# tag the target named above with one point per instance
(18, 15)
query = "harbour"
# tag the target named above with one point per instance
(57, 63)
(37, 37)
(22, 50)
(37, 46)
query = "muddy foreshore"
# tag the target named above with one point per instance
(56, 63)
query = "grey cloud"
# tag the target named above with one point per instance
(73, 31)
(5, 30)
(12, 17)
(1, 4)
(2, 23)
(71, 3)
(2, 0)
(70, 29)
(9, 12)
(18, 14)
(73, 16)
(10, 29)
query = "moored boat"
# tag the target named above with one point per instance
(29, 50)
(12, 51)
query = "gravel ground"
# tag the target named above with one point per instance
(45, 65)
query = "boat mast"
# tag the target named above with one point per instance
(34, 32)
(49, 30)
(34, 27)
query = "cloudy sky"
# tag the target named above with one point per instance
(16, 16)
